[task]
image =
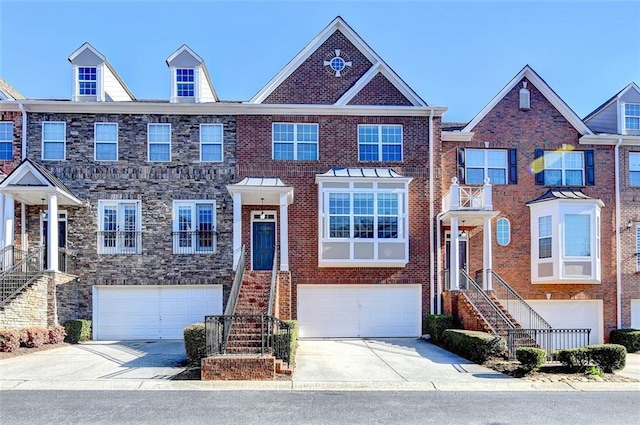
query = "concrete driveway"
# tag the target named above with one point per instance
(117, 362)
(393, 363)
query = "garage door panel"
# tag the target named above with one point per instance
(152, 312)
(573, 314)
(635, 314)
(359, 310)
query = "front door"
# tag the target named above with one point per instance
(62, 241)
(264, 243)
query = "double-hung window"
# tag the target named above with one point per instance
(211, 142)
(185, 82)
(363, 215)
(634, 168)
(6, 140)
(87, 80)
(106, 141)
(159, 142)
(379, 142)
(295, 141)
(632, 116)
(194, 227)
(54, 140)
(544, 237)
(482, 163)
(119, 227)
(564, 168)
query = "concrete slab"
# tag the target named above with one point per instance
(632, 368)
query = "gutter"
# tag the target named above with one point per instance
(431, 241)
(618, 247)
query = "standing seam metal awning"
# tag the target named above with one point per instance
(259, 190)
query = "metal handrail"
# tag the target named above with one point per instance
(19, 275)
(10, 255)
(549, 340)
(274, 275)
(237, 282)
(521, 311)
(475, 294)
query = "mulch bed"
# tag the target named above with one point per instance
(21, 351)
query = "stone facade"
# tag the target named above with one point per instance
(542, 127)
(31, 307)
(155, 184)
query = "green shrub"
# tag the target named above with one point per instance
(573, 357)
(77, 330)
(56, 334)
(608, 356)
(293, 340)
(9, 340)
(34, 337)
(630, 338)
(195, 344)
(436, 324)
(473, 345)
(531, 358)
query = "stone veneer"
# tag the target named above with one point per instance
(132, 177)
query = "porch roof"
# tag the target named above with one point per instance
(261, 190)
(571, 194)
(31, 182)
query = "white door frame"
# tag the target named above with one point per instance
(270, 217)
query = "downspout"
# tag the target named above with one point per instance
(439, 261)
(618, 256)
(431, 241)
(23, 212)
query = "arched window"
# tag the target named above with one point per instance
(503, 232)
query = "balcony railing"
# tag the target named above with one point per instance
(9, 256)
(468, 197)
(194, 242)
(119, 242)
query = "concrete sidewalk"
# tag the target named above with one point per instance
(401, 364)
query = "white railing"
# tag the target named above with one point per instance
(468, 197)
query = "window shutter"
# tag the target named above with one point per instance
(540, 175)
(513, 166)
(590, 168)
(461, 173)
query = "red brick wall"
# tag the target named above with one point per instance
(338, 147)
(541, 127)
(229, 368)
(379, 91)
(629, 210)
(310, 83)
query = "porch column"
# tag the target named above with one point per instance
(284, 233)
(9, 211)
(487, 262)
(52, 237)
(237, 228)
(454, 253)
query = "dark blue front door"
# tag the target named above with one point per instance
(264, 241)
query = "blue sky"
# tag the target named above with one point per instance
(455, 54)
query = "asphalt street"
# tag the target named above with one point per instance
(310, 407)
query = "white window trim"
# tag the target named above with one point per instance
(380, 144)
(634, 170)
(558, 210)
(624, 120)
(10, 140)
(96, 142)
(352, 187)
(176, 82)
(149, 143)
(64, 141)
(504, 220)
(563, 168)
(193, 249)
(87, 81)
(221, 143)
(487, 166)
(352, 215)
(638, 247)
(118, 250)
(295, 141)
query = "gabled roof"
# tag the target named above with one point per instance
(195, 56)
(86, 46)
(338, 24)
(7, 92)
(30, 180)
(630, 86)
(528, 73)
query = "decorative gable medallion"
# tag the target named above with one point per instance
(337, 63)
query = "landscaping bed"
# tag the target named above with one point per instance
(20, 351)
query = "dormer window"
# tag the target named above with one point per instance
(185, 82)
(632, 116)
(87, 80)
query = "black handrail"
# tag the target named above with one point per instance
(476, 295)
(274, 276)
(20, 274)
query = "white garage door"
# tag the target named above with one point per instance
(151, 312)
(568, 314)
(333, 311)
(635, 314)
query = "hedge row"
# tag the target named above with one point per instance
(33, 337)
(436, 324)
(607, 357)
(78, 330)
(473, 345)
(530, 358)
(630, 338)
